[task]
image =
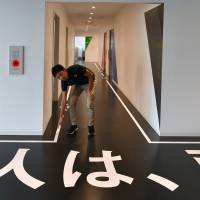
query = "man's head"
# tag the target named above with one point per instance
(59, 72)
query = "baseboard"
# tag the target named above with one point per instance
(181, 135)
(22, 133)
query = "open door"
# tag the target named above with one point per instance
(104, 53)
(56, 27)
(112, 58)
(66, 50)
(80, 46)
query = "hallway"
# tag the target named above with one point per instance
(145, 55)
(116, 132)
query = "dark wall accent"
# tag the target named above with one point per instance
(104, 53)
(112, 58)
(56, 39)
(154, 26)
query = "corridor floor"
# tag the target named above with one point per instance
(116, 132)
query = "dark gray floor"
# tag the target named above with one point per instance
(116, 132)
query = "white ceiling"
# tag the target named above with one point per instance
(79, 14)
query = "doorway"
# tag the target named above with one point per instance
(80, 49)
(112, 58)
(56, 27)
(81, 45)
(66, 50)
(104, 58)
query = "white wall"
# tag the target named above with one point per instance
(21, 97)
(51, 9)
(180, 107)
(133, 61)
(92, 51)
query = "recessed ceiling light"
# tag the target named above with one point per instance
(89, 21)
(93, 7)
(91, 13)
(90, 17)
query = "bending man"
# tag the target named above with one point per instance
(84, 80)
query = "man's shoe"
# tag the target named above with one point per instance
(72, 130)
(91, 131)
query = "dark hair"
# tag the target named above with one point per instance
(57, 68)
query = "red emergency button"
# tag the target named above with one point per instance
(15, 63)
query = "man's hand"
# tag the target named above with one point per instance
(62, 110)
(92, 90)
(91, 94)
(60, 120)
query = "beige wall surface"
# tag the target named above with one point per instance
(92, 51)
(180, 105)
(133, 61)
(51, 10)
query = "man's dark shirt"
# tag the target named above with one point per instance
(76, 77)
